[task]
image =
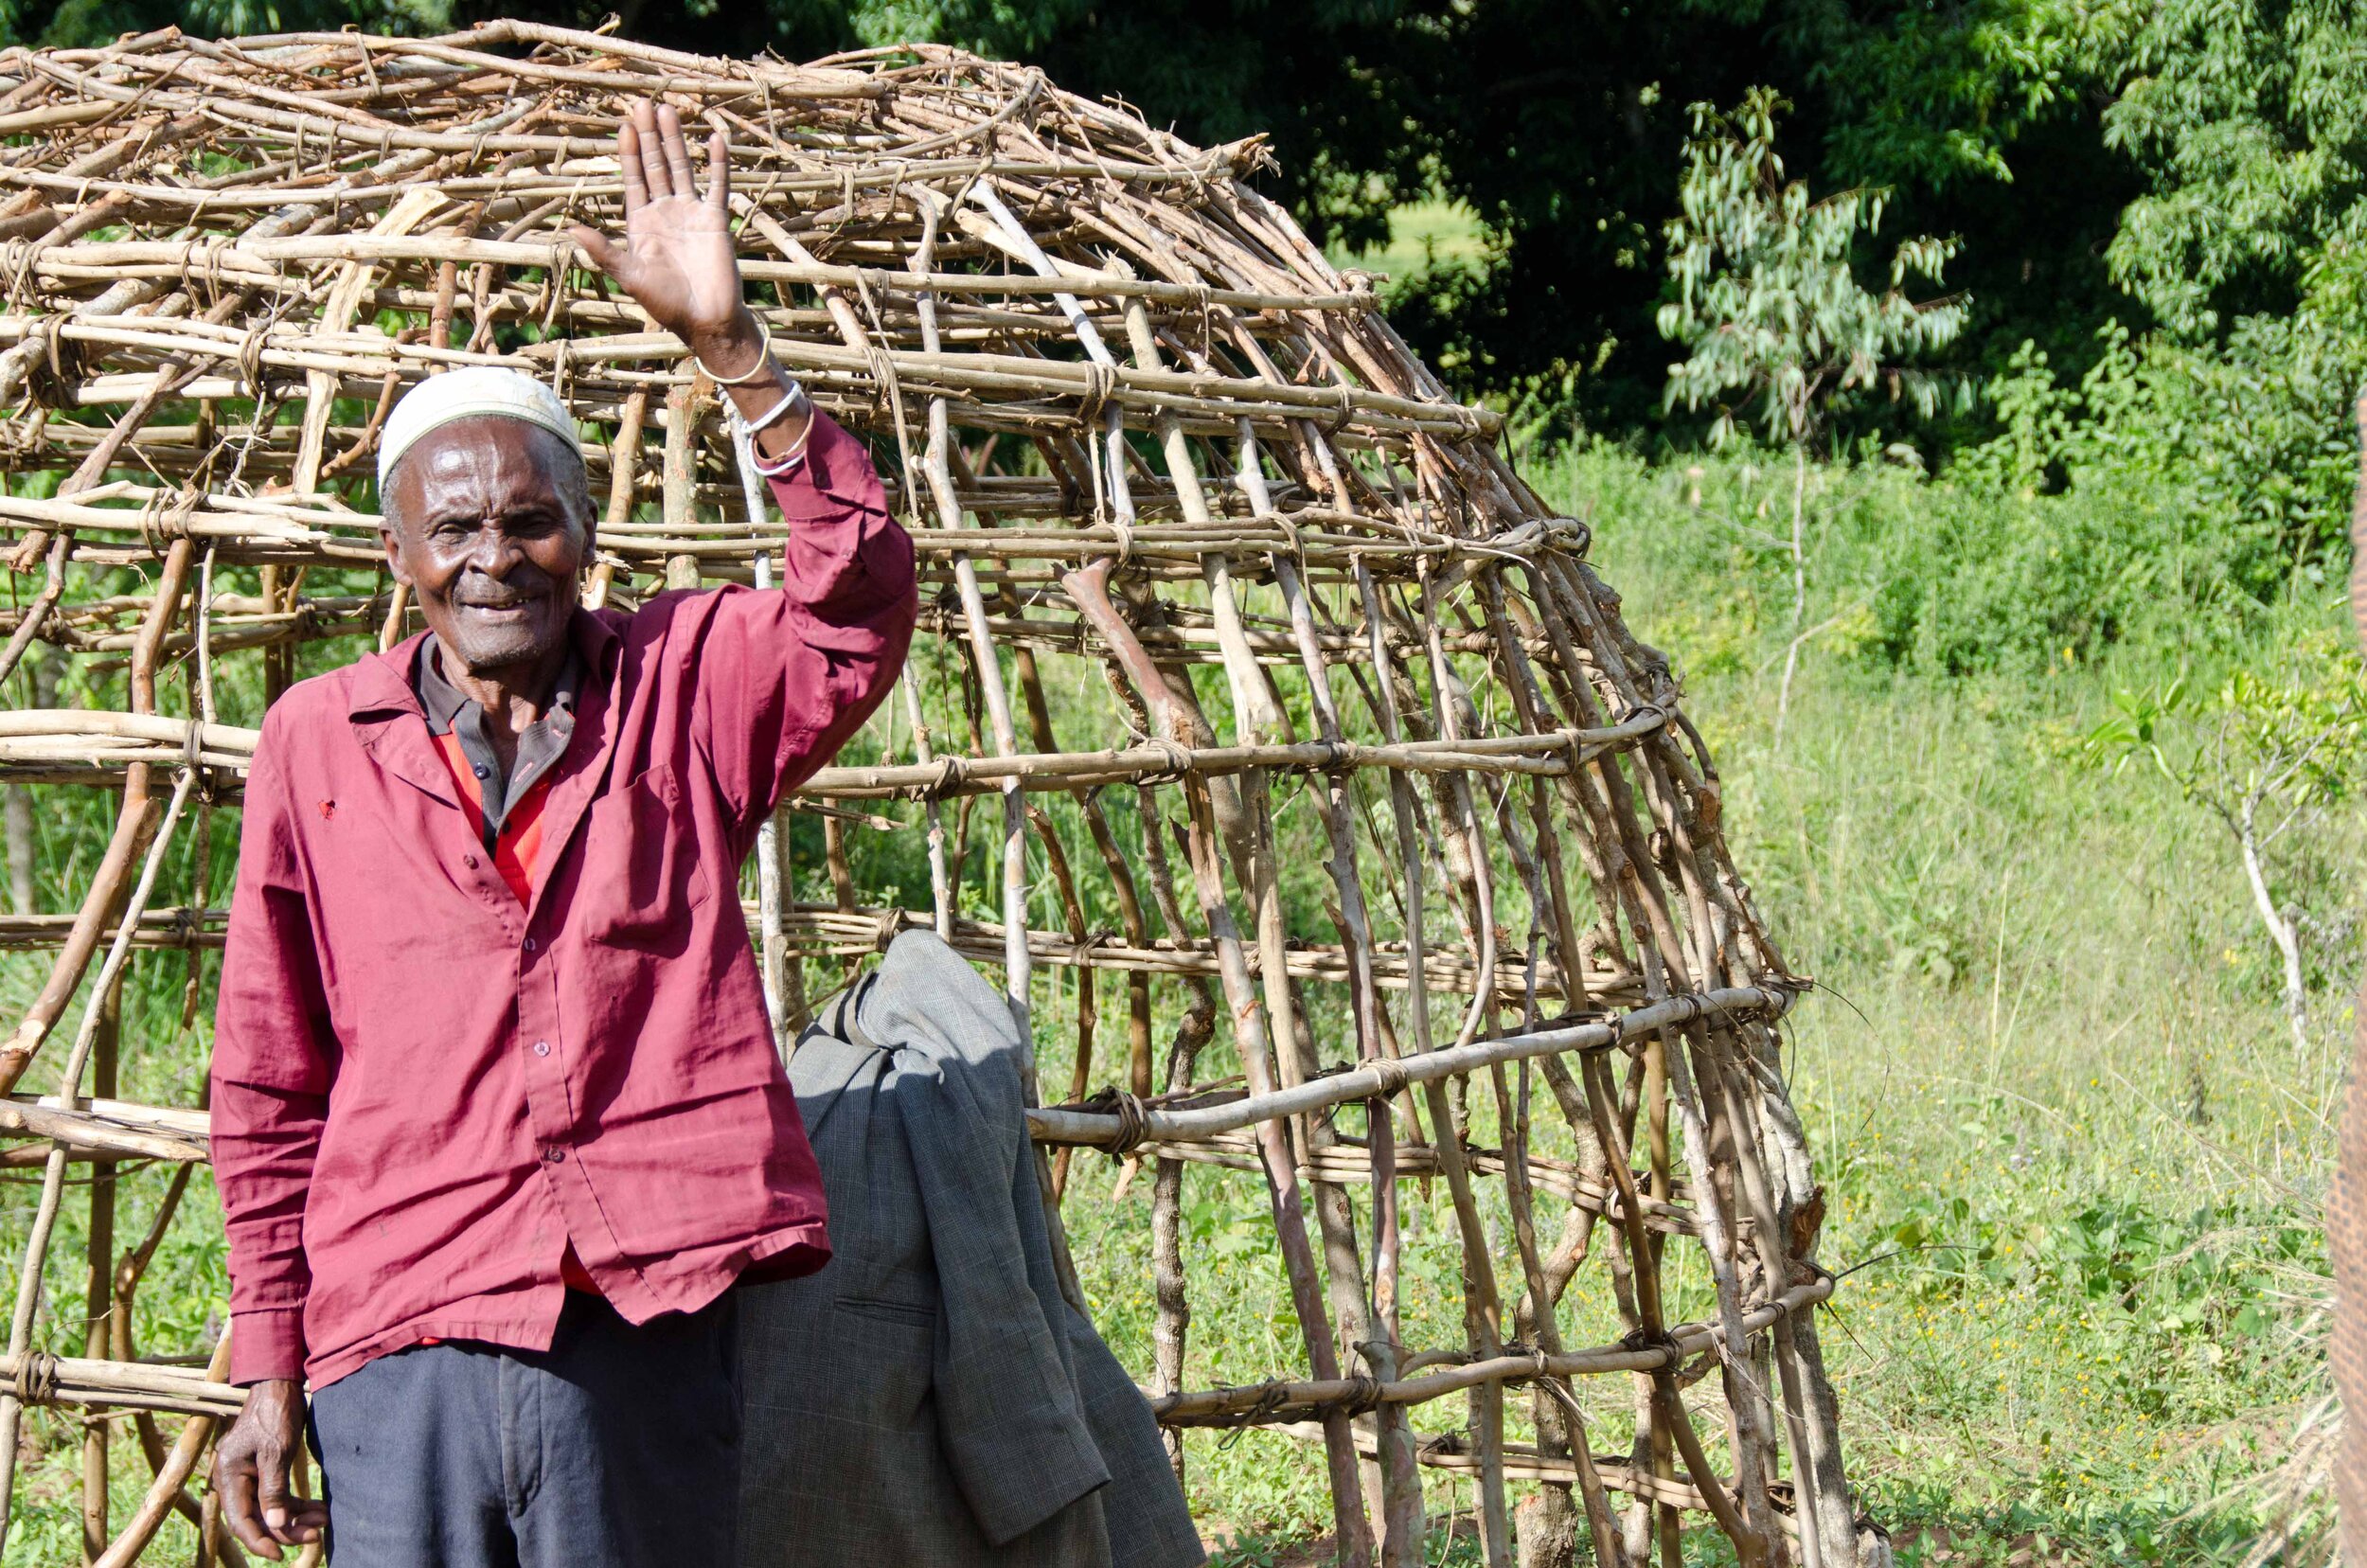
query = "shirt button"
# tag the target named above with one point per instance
(542, 1047)
(482, 772)
(469, 861)
(529, 944)
(554, 1154)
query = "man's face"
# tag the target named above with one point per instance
(489, 520)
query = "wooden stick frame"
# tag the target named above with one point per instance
(1160, 460)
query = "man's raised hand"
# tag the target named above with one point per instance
(677, 259)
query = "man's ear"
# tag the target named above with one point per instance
(390, 532)
(394, 554)
(587, 530)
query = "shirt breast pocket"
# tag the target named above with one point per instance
(642, 874)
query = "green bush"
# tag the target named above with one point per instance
(2253, 437)
(1954, 576)
(1965, 580)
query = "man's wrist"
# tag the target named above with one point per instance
(731, 352)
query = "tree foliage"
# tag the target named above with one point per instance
(2267, 755)
(2166, 191)
(1559, 123)
(1768, 299)
(2244, 116)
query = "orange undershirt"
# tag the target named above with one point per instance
(515, 854)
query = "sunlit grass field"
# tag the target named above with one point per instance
(2075, 1158)
(1431, 236)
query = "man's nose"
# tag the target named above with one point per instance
(494, 552)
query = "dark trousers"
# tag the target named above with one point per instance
(617, 1448)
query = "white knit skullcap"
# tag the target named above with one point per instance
(474, 392)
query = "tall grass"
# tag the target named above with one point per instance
(2073, 1159)
(2072, 1153)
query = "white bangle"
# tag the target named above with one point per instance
(789, 404)
(755, 372)
(788, 464)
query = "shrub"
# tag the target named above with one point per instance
(1962, 575)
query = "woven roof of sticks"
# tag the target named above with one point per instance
(1252, 683)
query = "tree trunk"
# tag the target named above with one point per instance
(1799, 584)
(2283, 930)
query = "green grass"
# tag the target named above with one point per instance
(1423, 237)
(2066, 1135)
(2072, 1155)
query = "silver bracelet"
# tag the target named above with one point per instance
(755, 372)
(787, 464)
(789, 404)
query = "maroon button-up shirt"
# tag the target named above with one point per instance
(424, 1091)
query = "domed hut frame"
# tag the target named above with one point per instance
(1140, 429)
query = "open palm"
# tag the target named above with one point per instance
(677, 259)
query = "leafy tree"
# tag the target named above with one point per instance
(1769, 305)
(1985, 120)
(1556, 122)
(2243, 116)
(82, 23)
(2249, 428)
(1766, 299)
(2269, 755)
(2190, 169)
(1559, 123)
(1934, 98)
(2247, 244)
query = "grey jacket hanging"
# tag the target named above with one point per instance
(928, 1398)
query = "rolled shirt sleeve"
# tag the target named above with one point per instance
(785, 678)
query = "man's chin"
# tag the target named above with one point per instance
(484, 650)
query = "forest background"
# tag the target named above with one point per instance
(2003, 573)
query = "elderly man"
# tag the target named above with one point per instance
(498, 1121)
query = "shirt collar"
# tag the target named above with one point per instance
(444, 703)
(385, 684)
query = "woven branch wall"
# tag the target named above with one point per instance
(1268, 738)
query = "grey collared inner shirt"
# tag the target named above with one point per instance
(449, 711)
